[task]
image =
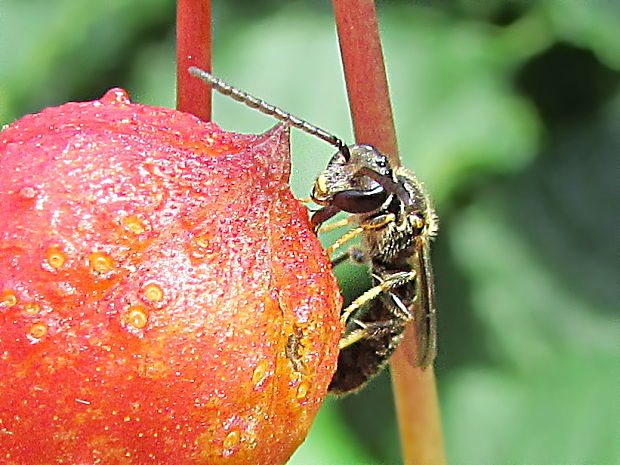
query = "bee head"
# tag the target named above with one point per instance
(352, 181)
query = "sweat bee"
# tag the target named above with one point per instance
(393, 215)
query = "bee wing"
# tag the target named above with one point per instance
(424, 314)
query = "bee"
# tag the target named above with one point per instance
(393, 216)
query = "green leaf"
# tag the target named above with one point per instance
(330, 442)
(561, 412)
(593, 25)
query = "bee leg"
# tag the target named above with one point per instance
(400, 309)
(376, 329)
(346, 237)
(377, 222)
(385, 285)
(336, 224)
(351, 338)
(322, 215)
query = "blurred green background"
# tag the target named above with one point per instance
(510, 112)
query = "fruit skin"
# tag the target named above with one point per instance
(163, 299)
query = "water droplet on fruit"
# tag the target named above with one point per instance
(55, 257)
(302, 390)
(250, 437)
(37, 331)
(153, 292)
(8, 298)
(101, 262)
(28, 192)
(134, 224)
(116, 95)
(137, 316)
(231, 441)
(260, 373)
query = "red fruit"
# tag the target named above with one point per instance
(163, 298)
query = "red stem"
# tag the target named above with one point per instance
(367, 87)
(193, 49)
(415, 391)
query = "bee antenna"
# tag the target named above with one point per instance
(268, 109)
(344, 150)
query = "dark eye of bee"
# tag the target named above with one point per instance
(360, 201)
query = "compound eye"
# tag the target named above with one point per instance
(360, 201)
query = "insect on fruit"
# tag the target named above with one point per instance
(396, 221)
(391, 212)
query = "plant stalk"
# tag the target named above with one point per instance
(415, 390)
(193, 49)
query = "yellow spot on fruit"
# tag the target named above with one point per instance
(37, 330)
(134, 224)
(8, 298)
(31, 308)
(203, 245)
(231, 440)
(202, 241)
(137, 316)
(260, 373)
(101, 262)
(153, 292)
(302, 391)
(55, 257)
